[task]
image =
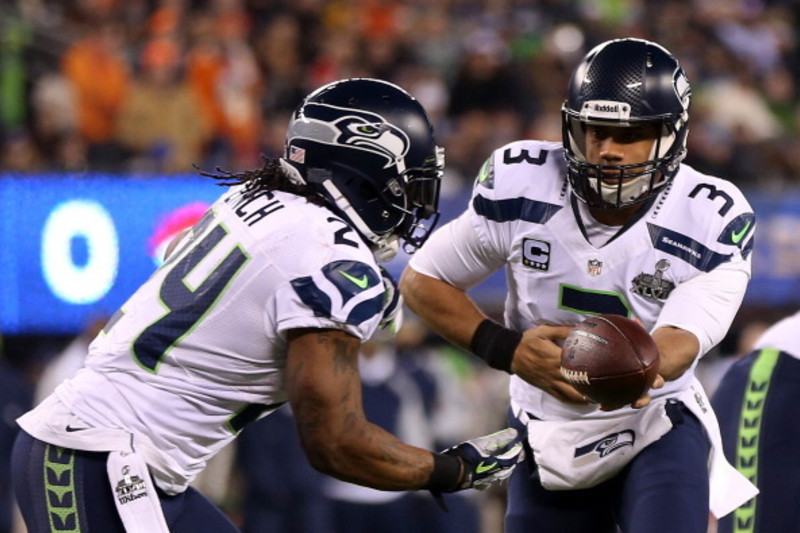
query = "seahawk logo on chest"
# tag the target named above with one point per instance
(653, 286)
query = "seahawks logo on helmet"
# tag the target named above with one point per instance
(358, 129)
(682, 88)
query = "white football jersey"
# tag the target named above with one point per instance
(199, 350)
(672, 265)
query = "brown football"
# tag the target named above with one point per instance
(610, 359)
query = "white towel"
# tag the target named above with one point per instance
(134, 494)
(578, 454)
(575, 454)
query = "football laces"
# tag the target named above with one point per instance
(575, 376)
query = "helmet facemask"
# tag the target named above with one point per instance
(608, 186)
(422, 188)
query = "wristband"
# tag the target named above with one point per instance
(446, 475)
(495, 344)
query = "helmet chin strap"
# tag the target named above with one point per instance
(386, 249)
(630, 190)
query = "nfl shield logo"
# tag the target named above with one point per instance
(594, 267)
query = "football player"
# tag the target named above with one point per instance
(756, 403)
(266, 300)
(608, 221)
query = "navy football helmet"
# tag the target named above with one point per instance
(368, 147)
(626, 83)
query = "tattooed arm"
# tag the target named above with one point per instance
(324, 388)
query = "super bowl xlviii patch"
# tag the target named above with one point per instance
(130, 487)
(603, 447)
(594, 267)
(536, 254)
(653, 286)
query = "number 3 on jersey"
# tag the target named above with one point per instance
(187, 304)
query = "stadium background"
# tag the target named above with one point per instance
(82, 125)
(107, 104)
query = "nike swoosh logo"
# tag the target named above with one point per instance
(481, 468)
(738, 236)
(71, 429)
(361, 282)
(484, 175)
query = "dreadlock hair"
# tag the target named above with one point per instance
(270, 177)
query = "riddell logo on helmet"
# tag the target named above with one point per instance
(609, 109)
(606, 108)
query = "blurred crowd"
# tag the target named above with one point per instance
(162, 85)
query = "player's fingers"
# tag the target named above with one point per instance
(644, 401)
(553, 332)
(658, 382)
(567, 393)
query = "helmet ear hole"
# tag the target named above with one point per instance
(369, 136)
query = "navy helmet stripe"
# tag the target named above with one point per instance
(512, 209)
(685, 248)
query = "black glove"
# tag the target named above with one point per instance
(488, 459)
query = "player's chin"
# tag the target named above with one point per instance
(612, 179)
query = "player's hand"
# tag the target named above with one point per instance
(488, 459)
(537, 360)
(643, 401)
(392, 304)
